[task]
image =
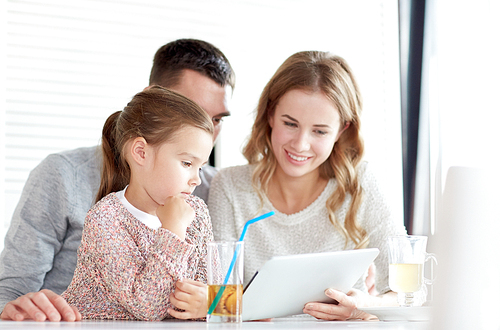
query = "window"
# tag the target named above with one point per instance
(69, 64)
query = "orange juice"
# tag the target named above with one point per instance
(229, 306)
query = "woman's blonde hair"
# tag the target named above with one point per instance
(315, 71)
(155, 114)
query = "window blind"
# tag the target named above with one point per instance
(70, 64)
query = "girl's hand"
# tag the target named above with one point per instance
(344, 310)
(192, 297)
(176, 215)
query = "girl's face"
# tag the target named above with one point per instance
(175, 166)
(305, 127)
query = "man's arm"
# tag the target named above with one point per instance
(37, 230)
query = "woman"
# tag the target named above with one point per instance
(305, 163)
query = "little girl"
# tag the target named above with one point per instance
(143, 250)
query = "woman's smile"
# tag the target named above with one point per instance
(296, 157)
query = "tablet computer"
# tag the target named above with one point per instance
(285, 284)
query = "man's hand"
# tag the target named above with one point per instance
(40, 306)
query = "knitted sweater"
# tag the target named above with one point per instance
(126, 270)
(46, 228)
(233, 201)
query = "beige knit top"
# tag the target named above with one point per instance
(232, 201)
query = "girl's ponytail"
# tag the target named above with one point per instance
(114, 176)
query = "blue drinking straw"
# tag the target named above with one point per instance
(233, 261)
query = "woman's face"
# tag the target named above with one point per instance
(305, 127)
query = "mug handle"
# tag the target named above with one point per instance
(432, 257)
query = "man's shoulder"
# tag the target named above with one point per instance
(86, 156)
(209, 172)
(81, 162)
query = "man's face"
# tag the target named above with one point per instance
(208, 94)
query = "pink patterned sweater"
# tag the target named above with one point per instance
(126, 270)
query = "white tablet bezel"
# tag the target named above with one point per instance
(285, 284)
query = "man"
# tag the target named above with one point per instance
(41, 245)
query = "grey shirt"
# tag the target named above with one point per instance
(40, 249)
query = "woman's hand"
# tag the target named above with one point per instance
(345, 309)
(370, 280)
(190, 296)
(40, 306)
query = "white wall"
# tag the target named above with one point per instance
(468, 69)
(365, 33)
(460, 103)
(69, 64)
(460, 112)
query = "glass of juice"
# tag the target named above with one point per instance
(407, 256)
(225, 281)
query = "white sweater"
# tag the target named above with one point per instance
(233, 201)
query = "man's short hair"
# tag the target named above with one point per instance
(171, 59)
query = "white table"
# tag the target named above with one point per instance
(280, 323)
